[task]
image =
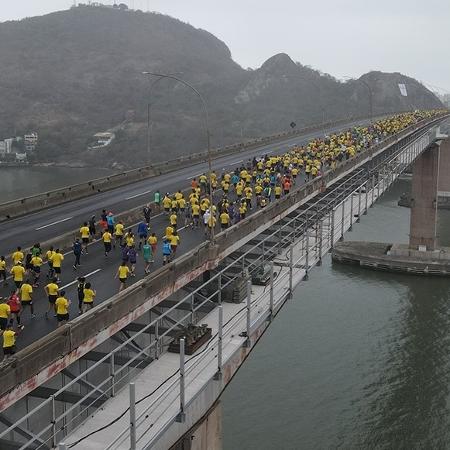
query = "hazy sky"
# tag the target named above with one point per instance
(341, 37)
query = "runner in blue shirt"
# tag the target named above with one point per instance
(167, 251)
(142, 232)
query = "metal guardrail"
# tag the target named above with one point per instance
(17, 208)
(73, 335)
(294, 229)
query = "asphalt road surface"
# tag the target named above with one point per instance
(98, 269)
(46, 224)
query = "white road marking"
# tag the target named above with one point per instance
(194, 176)
(54, 223)
(138, 195)
(235, 162)
(85, 276)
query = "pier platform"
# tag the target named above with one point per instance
(393, 258)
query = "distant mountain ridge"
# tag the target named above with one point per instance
(71, 74)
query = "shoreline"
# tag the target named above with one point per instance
(79, 165)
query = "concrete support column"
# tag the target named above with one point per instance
(424, 199)
(444, 175)
(205, 435)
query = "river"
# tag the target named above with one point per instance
(357, 360)
(18, 182)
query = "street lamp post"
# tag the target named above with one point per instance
(149, 105)
(208, 135)
(148, 117)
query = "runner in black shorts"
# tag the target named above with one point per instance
(28, 265)
(49, 255)
(52, 292)
(5, 312)
(3, 270)
(9, 341)
(62, 308)
(80, 292)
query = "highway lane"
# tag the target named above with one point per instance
(49, 223)
(101, 271)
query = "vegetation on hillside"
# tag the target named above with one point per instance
(71, 74)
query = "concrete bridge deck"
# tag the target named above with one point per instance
(367, 189)
(46, 223)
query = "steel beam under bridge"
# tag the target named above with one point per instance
(39, 362)
(170, 404)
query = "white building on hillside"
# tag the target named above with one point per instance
(30, 141)
(6, 146)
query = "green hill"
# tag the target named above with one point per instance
(71, 74)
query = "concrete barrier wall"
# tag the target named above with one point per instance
(16, 208)
(38, 356)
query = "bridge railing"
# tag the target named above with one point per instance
(293, 229)
(26, 205)
(169, 392)
(117, 378)
(70, 342)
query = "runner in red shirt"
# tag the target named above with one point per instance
(15, 306)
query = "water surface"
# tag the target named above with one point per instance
(358, 359)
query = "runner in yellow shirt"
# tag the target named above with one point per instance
(17, 256)
(51, 290)
(36, 262)
(3, 270)
(57, 260)
(169, 231)
(243, 209)
(62, 308)
(178, 195)
(173, 220)
(153, 242)
(5, 312)
(107, 239)
(167, 203)
(195, 215)
(26, 294)
(129, 239)
(174, 242)
(84, 232)
(118, 233)
(224, 220)
(122, 273)
(18, 272)
(174, 206)
(278, 191)
(49, 256)
(9, 341)
(88, 299)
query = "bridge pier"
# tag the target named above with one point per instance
(422, 255)
(444, 175)
(206, 434)
(424, 200)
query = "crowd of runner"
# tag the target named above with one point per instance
(251, 186)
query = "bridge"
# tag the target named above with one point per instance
(112, 366)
